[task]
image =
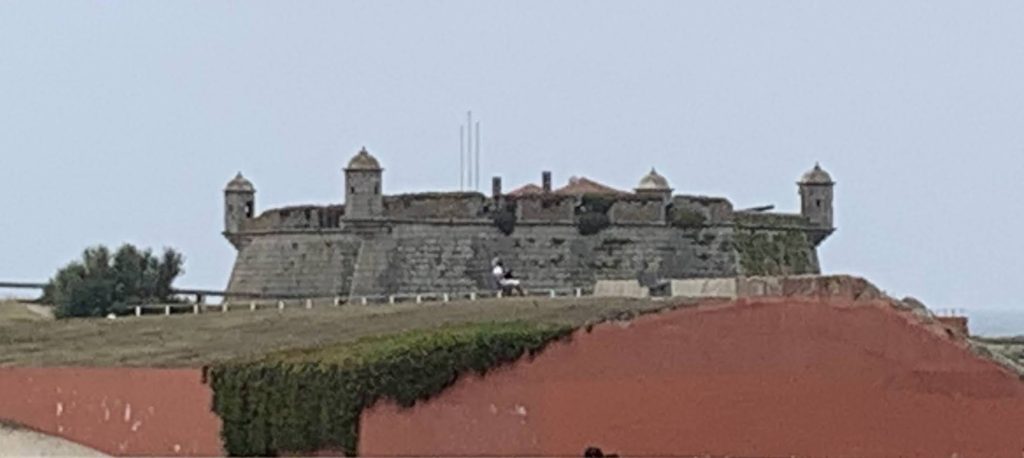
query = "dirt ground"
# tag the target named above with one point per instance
(193, 340)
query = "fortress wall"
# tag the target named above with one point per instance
(648, 210)
(714, 209)
(302, 217)
(758, 219)
(435, 206)
(296, 264)
(431, 258)
(766, 251)
(553, 208)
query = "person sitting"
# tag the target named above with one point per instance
(503, 277)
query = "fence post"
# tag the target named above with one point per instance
(252, 306)
(391, 299)
(309, 303)
(362, 300)
(419, 299)
(280, 305)
(224, 308)
(167, 310)
(138, 311)
(337, 301)
(551, 293)
(195, 309)
(445, 297)
(472, 296)
(499, 294)
(579, 292)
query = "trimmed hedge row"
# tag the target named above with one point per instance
(303, 401)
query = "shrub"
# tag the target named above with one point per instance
(595, 203)
(592, 223)
(774, 253)
(101, 283)
(309, 400)
(592, 213)
(686, 218)
(505, 220)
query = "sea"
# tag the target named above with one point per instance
(995, 322)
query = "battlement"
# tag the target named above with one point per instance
(472, 207)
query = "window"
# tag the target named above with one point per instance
(376, 189)
(818, 203)
(248, 209)
(352, 189)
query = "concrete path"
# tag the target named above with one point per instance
(16, 442)
(41, 310)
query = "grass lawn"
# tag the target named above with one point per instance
(194, 340)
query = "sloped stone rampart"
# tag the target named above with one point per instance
(412, 258)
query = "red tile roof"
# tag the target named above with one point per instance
(577, 186)
(581, 185)
(528, 189)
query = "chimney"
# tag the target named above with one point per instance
(496, 187)
(545, 179)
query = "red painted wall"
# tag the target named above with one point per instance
(119, 411)
(756, 378)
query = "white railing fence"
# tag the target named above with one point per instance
(235, 305)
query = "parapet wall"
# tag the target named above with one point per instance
(547, 208)
(305, 217)
(426, 206)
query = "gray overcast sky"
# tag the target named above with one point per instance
(123, 121)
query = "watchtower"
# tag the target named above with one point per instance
(653, 184)
(816, 197)
(239, 203)
(363, 198)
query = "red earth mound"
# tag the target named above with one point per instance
(771, 377)
(756, 377)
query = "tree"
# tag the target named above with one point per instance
(99, 283)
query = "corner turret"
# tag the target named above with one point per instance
(239, 205)
(653, 184)
(363, 197)
(816, 197)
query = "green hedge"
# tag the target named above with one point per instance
(303, 401)
(592, 223)
(686, 218)
(505, 220)
(592, 213)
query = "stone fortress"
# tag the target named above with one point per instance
(376, 244)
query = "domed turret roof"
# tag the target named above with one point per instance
(363, 161)
(653, 181)
(817, 175)
(240, 184)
